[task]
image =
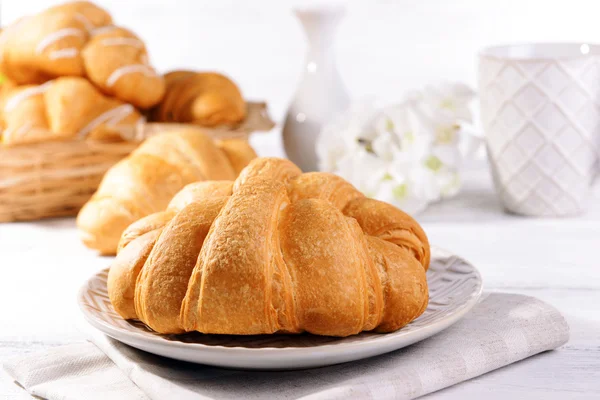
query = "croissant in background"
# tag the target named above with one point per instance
(116, 61)
(46, 45)
(64, 108)
(23, 119)
(77, 39)
(202, 98)
(274, 251)
(145, 181)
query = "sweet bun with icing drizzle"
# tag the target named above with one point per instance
(144, 182)
(76, 108)
(23, 116)
(78, 39)
(61, 109)
(276, 251)
(116, 61)
(47, 45)
(202, 98)
(89, 14)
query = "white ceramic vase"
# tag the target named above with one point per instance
(321, 93)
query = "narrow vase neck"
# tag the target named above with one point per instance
(320, 25)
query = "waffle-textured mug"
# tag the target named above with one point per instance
(540, 108)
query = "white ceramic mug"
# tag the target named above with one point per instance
(540, 108)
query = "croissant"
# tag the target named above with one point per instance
(64, 108)
(276, 251)
(24, 120)
(46, 45)
(145, 181)
(77, 39)
(116, 61)
(203, 98)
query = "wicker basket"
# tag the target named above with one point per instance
(56, 178)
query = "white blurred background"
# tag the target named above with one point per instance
(383, 47)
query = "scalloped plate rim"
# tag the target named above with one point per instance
(297, 357)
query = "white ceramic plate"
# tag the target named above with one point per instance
(454, 287)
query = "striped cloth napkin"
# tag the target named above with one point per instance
(501, 329)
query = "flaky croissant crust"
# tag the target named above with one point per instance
(274, 251)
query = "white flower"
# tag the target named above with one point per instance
(408, 154)
(402, 194)
(339, 137)
(448, 155)
(424, 183)
(450, 99)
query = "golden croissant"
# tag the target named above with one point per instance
(202, 98)
(77, 39)
(145, 181)
(64, 108)
(276, 251)
(116, 61)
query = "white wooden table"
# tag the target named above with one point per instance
(42, 265)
